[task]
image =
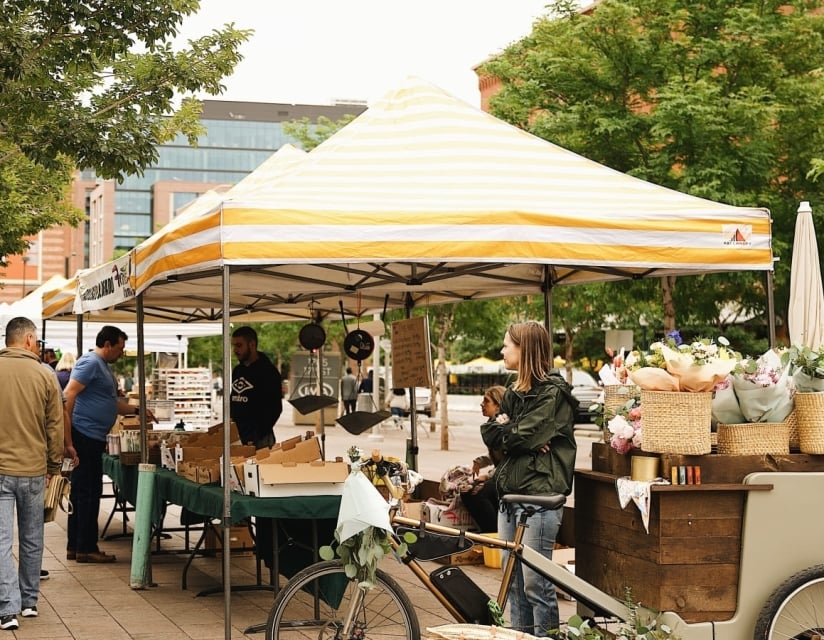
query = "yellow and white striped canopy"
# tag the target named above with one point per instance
(424, 198)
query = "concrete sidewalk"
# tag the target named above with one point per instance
(88, 601)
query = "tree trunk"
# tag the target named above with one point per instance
(443, 383)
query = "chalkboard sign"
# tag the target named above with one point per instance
(411, 356)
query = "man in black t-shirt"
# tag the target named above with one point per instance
(257, 395)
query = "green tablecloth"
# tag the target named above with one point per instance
(207, 499)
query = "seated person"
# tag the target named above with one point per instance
(398, 406)
(482, 499)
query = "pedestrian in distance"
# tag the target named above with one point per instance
(349, 391)
(32, 452)
(398, 405)
(64, 368)
(92, 404)
(534, 431)
(49, 356)
(366, 383)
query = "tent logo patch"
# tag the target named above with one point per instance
(736, 235)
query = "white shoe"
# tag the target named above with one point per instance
(30, 612)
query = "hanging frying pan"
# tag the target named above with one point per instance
(358, 344)
(312, 336)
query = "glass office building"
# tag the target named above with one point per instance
(239, 137)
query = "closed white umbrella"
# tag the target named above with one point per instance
(806, 311)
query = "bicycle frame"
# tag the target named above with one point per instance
(600, 602)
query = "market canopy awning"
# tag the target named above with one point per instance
(425, 199)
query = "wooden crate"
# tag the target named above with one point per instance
(689, 561)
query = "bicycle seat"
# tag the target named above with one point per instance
(549, 501)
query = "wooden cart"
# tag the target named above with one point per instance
(715, 552)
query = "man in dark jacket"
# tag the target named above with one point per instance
(257, 395)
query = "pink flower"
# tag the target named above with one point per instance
(626, 431)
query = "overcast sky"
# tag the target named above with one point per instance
(316, 51)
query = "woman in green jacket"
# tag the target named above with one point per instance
(535, 432)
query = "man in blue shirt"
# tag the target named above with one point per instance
(93, 404)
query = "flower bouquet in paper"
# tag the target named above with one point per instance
(701, 364)
(807, 366)
(674, 365)
(648, 370)
(762, 386)
(725, 409)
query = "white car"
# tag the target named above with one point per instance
(587, 391)
(423, 396)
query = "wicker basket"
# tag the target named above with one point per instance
(676, 422)
(754, 438)
(616, 396)
(809, 409)
(792, 431)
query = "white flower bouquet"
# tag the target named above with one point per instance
(677, 366)
(762, 386)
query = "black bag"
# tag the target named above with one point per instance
(431, 546)
(466, 596)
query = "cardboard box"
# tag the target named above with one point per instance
(294, 479)
(293, 450)
(475, 555)
(236, 476)
(438, 512)
(192, 452)
(241, 542)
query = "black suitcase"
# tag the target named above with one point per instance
(466, 596)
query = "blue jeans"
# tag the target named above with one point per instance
(87, 487)
(533, 606)
(19, 588)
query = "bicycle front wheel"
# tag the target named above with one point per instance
(319, 600)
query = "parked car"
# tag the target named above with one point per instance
(423, 397)
(587, 391)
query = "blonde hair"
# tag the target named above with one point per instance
(535, 363)
(495, 394)
(66, 362)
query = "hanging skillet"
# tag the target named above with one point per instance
(359, 345)
(312, 336)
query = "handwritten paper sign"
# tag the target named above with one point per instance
(411, 355)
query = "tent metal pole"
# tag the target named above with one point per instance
(771, 307)
(141, 380)
(79, 324)
(227, 491)
(412, 454)
(547, 287)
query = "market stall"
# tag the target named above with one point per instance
(425, 200)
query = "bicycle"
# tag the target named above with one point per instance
(322, 599)
(322, 602)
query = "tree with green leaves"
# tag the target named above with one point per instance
(310, 135)
(719, 99)
(94, 85)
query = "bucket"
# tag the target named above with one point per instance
(644, 468)
(492, 555)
